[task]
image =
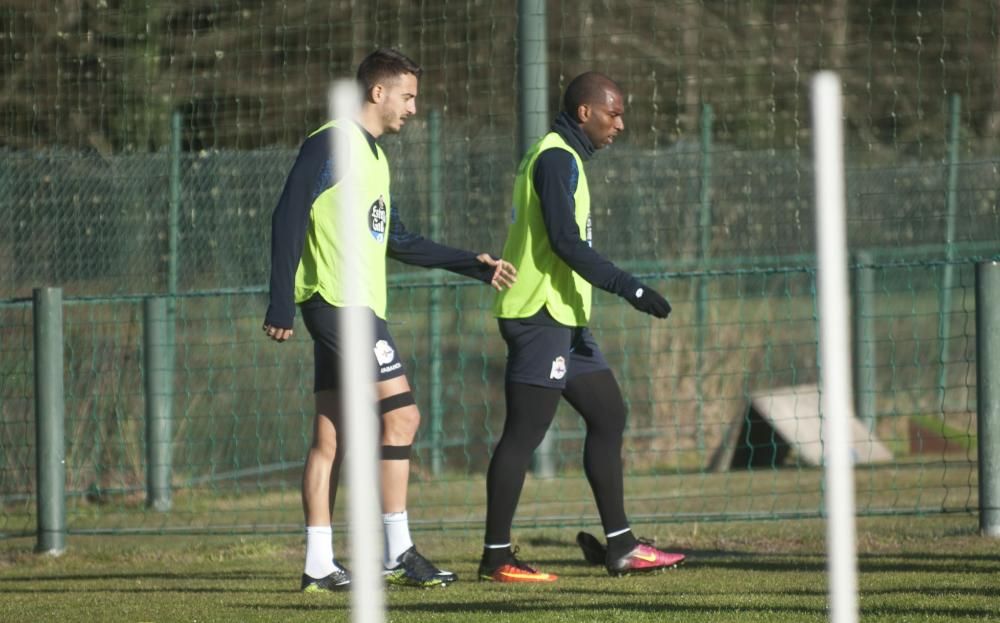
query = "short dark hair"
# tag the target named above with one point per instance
(587, 88)
(385, 64)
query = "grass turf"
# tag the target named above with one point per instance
(934, 568)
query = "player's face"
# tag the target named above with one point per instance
(398, 101)
(603, 121)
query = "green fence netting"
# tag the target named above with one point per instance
(242, 405)
(143, 146)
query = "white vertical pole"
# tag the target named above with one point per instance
(360, 422)
(835, 346)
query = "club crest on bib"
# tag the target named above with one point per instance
(384, 353)
(377, 219)
(558, 368)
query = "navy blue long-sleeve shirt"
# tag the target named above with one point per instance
(311, 175)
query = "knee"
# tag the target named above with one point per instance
(514, 454)
(617, 422)
(611, 425)
(325, 449)
(530, 440)
(400, 426)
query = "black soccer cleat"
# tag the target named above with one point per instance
(594, 551)
(339, 580)
(415, 570)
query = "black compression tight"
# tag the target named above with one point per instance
(599, 400)
(530, 410)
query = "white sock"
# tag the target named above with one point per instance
(397, 537)
(319, 551)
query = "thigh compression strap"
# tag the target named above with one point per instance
(396, 453)
(397, 401)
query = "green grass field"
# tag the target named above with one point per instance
(930, 568)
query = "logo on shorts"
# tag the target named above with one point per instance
(558, 368)
(384, 353)
(377, 219)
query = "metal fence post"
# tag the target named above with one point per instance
(174, 217)
(948, 271)
(864, 340)
(50, 414)
(988, 394)
(158, 362)
(436, 203)
(704, 251)
(533, 109)
(532, 71)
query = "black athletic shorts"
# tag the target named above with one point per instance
(323, 322)
(549, 356)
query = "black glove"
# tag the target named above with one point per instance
(647, 300)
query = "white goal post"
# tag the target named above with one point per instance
(359, 420)
(837, 404)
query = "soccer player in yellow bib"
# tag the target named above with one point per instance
(551, 353)
(307, 241)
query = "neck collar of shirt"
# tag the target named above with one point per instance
(568, 128)
(368, 137)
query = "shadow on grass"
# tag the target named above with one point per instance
(158, 575)
(933, 591)
(934, 562)
(528, 605)
(952, 614)
(520, 605)
(118, 590)
(867, 563)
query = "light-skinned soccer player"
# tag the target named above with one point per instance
(306, 240)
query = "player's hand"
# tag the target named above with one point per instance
(277, 333)
(649, 301)
(504, 275)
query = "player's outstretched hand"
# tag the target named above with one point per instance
(277, 333)
(649, 301)
(504, 274)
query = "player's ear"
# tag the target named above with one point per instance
(376, 94)
(583, 113)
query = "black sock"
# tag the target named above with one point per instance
(621, 544)
(493, 557)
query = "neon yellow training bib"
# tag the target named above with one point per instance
(321, 265)
(543, 279)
